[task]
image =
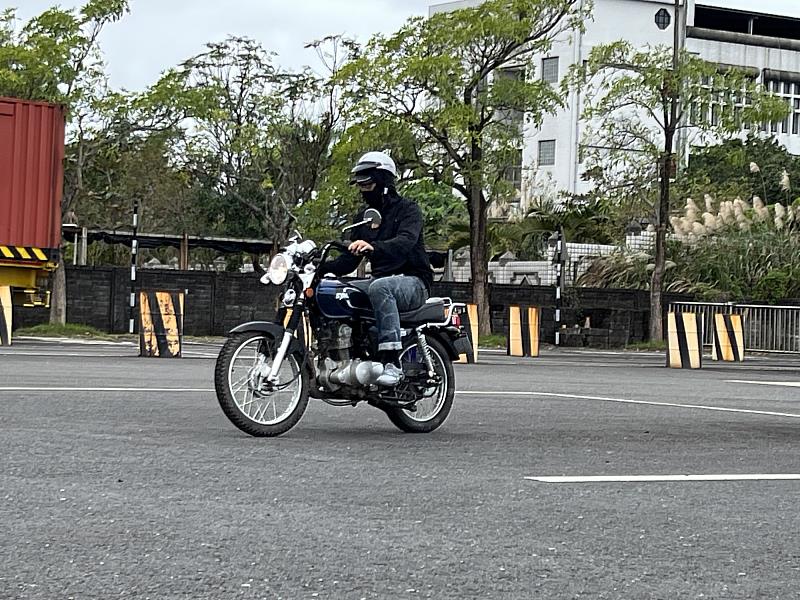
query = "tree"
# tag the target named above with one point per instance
(264, 137)
(55, 57)
(638, 100)
(458, 81)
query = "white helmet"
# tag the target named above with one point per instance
(372, 161)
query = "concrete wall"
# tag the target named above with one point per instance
(216, 302)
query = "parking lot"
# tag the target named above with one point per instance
(121, 478)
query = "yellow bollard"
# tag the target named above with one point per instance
(684, 341)
(728, 338)
(5, 315)
(161, 324)
(523, 331)
(469, 321)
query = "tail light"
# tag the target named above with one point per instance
(456, 320)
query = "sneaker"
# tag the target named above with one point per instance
(391, 376)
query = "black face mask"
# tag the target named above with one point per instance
(374, 198)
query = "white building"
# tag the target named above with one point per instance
(729, 32)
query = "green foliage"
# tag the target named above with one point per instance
(55, 57)
(68, 330)
(443, 212)
(738, 266)
(495, 340)
(723, 170)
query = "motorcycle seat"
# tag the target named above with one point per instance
(432, 311)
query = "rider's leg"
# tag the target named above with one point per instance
(390, 296)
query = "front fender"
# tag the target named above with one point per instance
(272, 329)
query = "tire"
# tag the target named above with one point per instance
(235, 380)
(426, 421)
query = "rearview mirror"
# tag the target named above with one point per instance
(371, 217)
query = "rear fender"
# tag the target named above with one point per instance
(445, 336)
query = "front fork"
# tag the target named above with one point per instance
(288, 334)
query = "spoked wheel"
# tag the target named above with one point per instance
(437, 399)
(247, 398)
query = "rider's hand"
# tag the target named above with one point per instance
(360, 247)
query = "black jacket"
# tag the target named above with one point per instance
(398, 242)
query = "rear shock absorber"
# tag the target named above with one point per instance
(422, 342)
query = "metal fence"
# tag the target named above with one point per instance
(766, 328)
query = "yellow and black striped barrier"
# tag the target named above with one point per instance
(5, 315)
(728, 338)
(469, 322)
(304, 333)
(161, 324)
(684, 340)
(523, 331)
(23, 253)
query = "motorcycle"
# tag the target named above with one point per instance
(323, 345)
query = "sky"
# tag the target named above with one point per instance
(158, 34)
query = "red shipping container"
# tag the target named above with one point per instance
(31, 173)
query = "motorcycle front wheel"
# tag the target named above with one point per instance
(434, 406)
(250, 402)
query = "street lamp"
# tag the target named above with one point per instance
(663, 19)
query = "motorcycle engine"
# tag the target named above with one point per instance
(337, 367)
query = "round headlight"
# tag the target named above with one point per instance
(278, 269)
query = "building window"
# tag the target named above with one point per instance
(789, 93)
(513, 172)
(513, 117)
(547, 153)
(550, 70)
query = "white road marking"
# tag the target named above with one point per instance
(41, 354)
(462, 393)
(76, 341)
(644, 402)
(791, 384)
(105, 389)
(652, 478)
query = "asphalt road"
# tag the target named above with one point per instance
(121, 478)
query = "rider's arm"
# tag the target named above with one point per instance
(408, 231)
(346, 262)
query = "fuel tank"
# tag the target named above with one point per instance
(339, 299)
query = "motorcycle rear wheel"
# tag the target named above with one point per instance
(243, 395)
(432, 410)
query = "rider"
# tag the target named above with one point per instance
(401, 271)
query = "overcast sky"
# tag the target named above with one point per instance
(158, 34)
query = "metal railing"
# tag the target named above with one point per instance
(766, 328)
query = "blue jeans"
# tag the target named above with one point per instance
(390, 296)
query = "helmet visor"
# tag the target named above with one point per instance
(364, 173)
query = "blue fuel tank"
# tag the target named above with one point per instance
(343, 299)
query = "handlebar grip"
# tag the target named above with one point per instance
(340, 246)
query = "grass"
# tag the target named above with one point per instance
(650, 346)
(495, 340)
(68, 330)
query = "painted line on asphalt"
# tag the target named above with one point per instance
(643, 402)
(73, 341)
(657, 478)
(44, 355)
(106, 389)
(791, 384)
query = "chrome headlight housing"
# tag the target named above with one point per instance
(278, 269)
